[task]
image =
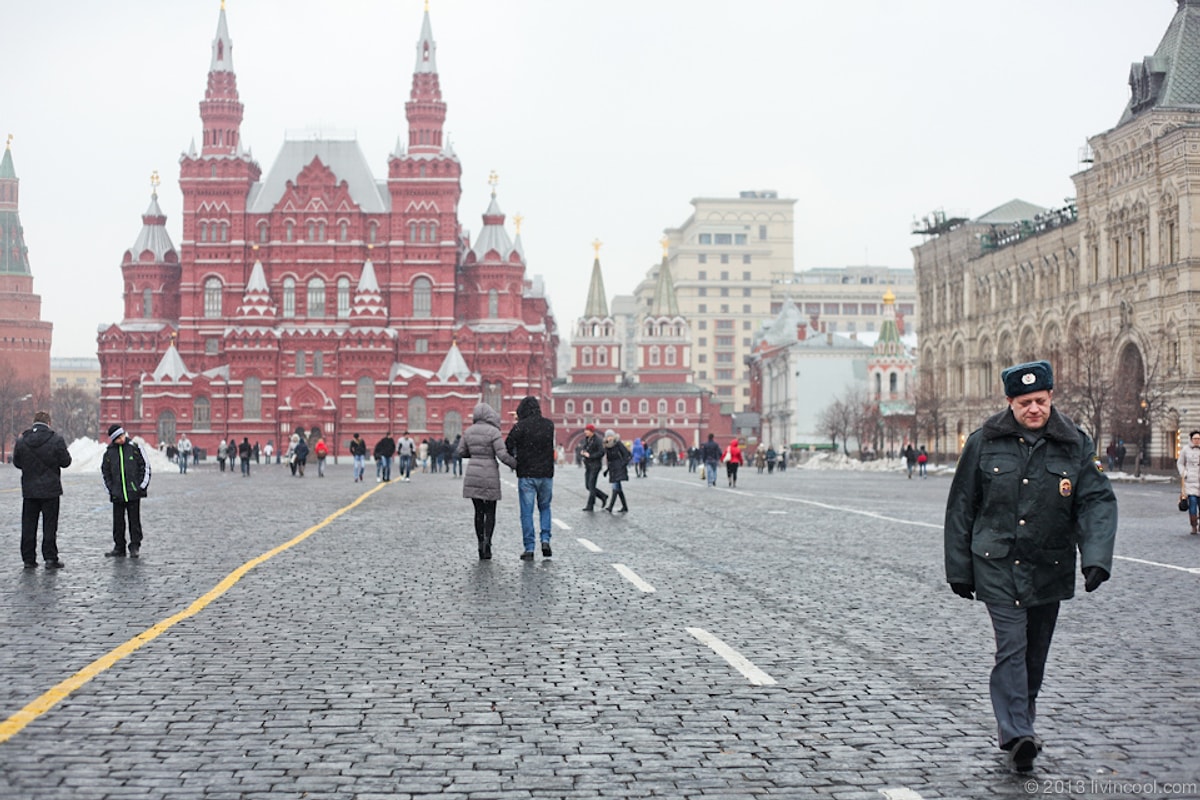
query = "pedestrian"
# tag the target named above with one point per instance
(222, 453)
(423, 455)
(922, 461)
(481, 444)
(637, 453)
(1027, 491)
(591, 454)
(301, 454)
(184, 448)
(1121, 452)
(291, 453)
(618, 457)
(385, 448)
(321, 451)
(710, 454)
(41, 455)
(760, 458)
(457, 462)
(733, 459)
(531, 443)
(1189, 476)
(267, 450)
(358, 451)
(772, 457)
(246, 452)
(407, 449)
(126, 474)
(910, 459)
(783, 459)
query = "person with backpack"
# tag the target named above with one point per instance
(922, 460)
(321, 451)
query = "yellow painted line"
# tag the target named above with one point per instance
(56, 694)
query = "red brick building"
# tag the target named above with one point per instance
(658, 403)
(318, 296)
(24, 337)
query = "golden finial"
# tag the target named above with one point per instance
(517, 221)
(254, 247)
(222, 5)
(426, 5)
(370, 247)
(596, 245)
(493, 179)
(888, 297)
(154, 181)
(8, 144)
(664, 242)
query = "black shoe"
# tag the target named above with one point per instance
(115, 553)
(1023, 753)
(546, 550)
(30, 565)
(623, 511)
(527, 555)
(55, 564)
(588, 508)
(134, 552)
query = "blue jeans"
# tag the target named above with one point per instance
(710, 472)
(385, 466)
(359, 467)
(529, 489)
(405, 466)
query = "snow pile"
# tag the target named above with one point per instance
(829, 460)
(86, 455)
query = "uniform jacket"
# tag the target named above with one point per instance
(1016, 513)
(126, 472)
(481, 445)
(1189, 468)
(41, 455)
(531, 441)
(618, 461)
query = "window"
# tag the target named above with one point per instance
(212, 346)
(739, 238)
(364, 398)
(201, 414)
(602, 356)
(702, 292)
(452, 425)
(289, 231)
(624, 408)
(343, 231)
(289, 297)
(850, 309)
(643, 406)
(654, 356)
(606, 407)
(745, 308)
(680, 407)
(702, 358)
(422, 298)
(724, 291)
(724, 324)
(166, 427)
(724, 308)
(869, 309)
(212, 298)
(264, 232)
(416, 414)
(316, 298)
(585, 356)
(746, 292)
(252, 398)
(301, 364)
(724, 358)
(703, 310)
(703, 325)
(723, 238)
(493, 304)
(724, 341)
(702, 275)
(343, 298)
(662, 406)
(421, 345)
(702, 258)
(706, 238)
(318, 363)
(147, 303)
(569, 407)
(493, 397)
(812, 308)
(670, 356)
(724, 258)
(762, 233)
(703, 375)
(831, 309)
(372, 232)
(587, 406)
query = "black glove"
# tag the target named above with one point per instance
(1093, 577)
(964, 590)
(142, 493)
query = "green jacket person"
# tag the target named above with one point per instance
(1027, 493)
(127, 478)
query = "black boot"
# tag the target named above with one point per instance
(486, 553)
(479, 540)
(624, 507)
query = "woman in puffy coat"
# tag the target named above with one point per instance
(618, 469)
(733, 460)
(482, 444)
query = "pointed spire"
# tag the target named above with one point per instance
(153, 237)
(889, 332)
(454, 365)
(171, 365)
(425, 110)
(518, 248)
(597, 303)
(220, 110)
(426, 47)
(493, 236)
(368, 300)
(256, 301)
(14, 255)
(6, 166)
(665, 303)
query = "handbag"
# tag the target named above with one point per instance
(1183, 503)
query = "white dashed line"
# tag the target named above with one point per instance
(632, 577)
(739, 662)
(589, 545)
(1192, 570)
(900, 794)
(560, 524)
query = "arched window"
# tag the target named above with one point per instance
(680, 406)
(318, 362)
(224, 228)
(643, 406)
(416, 413)
(452, 425)
(252, 397)
(365, 398)
(312, 231)
(166, 427)
(892, 382)
(670, 354)
(585, 356)
(422, 298)
(203, 232)
(147, 303)
(493, 396)
(654, 357)
(343, 298)
(289, 297)
(137, 402)
(343, 231)
(289, 231)
(264, 232)
(212, 298)
(201, 414)
(606, 407)
(372, 232)
(587, 407)
(569, 407)
(493, 304)
(662, 406)
(601, 356)
(624, 407)
(412, 231)
(316, 297)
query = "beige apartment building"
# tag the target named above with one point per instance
(82, 373)
(1105, 287)
(723, 260)
(849, 300)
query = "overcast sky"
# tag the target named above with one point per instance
(603, 120)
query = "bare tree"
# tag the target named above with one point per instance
(1087, 393)
(927, 411)
(837, 421)
(17, 403)
(76, 413)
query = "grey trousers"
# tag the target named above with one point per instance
(1022, 645)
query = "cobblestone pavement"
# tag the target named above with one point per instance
(377, 657)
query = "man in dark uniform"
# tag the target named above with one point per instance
(41, 455)
(591, 452)
(1028, 490)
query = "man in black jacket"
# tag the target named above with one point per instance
(127, 478)
(591, 452)
(531, 443)
(41, 455)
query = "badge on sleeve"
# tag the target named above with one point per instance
(1064, 487)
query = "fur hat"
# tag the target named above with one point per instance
(115, 432)
(1033, 376)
